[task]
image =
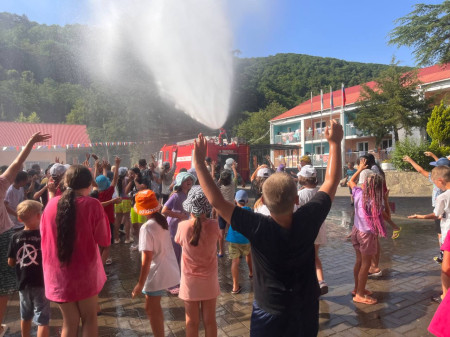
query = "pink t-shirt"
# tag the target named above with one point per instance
(106, 195)
(5, 220)
(84, 276)
(440, 323)
(199, 274)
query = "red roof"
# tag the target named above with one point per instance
(18, 134)
(426, 76)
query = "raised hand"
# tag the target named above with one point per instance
(38, 137)
(334, 133)
(200, 147)
(362, 164)
(407, 158)
(117, 161)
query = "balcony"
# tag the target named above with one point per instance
(286, 138)
(315, 134)
(351, 130)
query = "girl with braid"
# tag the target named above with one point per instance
(368, 226)
(199, 286)
(73, 225)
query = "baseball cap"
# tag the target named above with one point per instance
(263, 172)
(57, 170)
(308, 172)
(241, 196)
(441, 162)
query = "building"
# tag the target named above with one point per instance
(67, 143)
(304, 124)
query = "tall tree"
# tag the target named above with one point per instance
(438, 126)
(394, 103)
(427, 30)
(255, 129)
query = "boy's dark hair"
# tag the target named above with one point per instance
(183, 169)
(21, 176)
(36, 167)
(142, 163)
(3, 168)
(225, 178)
(31, 172)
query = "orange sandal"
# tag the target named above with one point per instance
(365, 300)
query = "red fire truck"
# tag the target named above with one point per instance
(217, 151)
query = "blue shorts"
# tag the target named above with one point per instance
(154, 293)
(34, 304)
(291, 323)
(222, 223)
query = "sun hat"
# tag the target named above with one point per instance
(241, 196)
(196, 201)
(263, 172)
(281, 168)
(308, 172)
(305, 158)
(441, 162)
(57, 170)
(146, 202)
(123, 171)
(102, 182)
(181, 177)
(228, 164)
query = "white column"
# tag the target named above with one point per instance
(302, 136)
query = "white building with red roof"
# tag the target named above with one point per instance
(67, 142)
(304, 124)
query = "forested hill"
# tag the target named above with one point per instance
(42, 72)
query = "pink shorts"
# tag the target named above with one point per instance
(366, 243)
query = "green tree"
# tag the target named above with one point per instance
(394, 103)
(256, 127)
(32, 118)
(438, 126)
(427, 30)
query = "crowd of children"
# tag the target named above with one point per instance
(59, 246)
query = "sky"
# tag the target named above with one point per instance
(351, 30)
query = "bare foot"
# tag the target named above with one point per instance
(364, 300)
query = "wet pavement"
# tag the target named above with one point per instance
(410, 278)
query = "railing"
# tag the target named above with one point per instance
(287, 138)
(315, 134)
(351, 130)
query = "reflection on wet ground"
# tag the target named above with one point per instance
(410, 278)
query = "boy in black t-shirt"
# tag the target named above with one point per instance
(25, 255)
(285, 281)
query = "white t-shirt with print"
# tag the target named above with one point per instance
(442, 209)
(164, 270)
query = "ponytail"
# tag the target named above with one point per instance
(161, 220)
(65, 226)
(196, 233)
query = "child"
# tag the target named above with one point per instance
(366, 229)
(199, 285)
(73, 225)
(239, 245)
(441, 178)
(14, 196)
(25, 255)
(285, 283)
(227, 187)
(308, 179)
(159, 267)
(350, 171)
(122, 210)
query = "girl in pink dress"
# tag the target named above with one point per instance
(73, 225)
(199, 286)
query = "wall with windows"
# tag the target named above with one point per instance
(287, 133)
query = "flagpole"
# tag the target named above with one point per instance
(312, 126)
(343, 126)
(321, 132)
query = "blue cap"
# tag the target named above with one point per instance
(441, 162)
(241, 196)
(102, 182)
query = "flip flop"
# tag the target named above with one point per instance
(219, 255)
(4, 329)
(237, 291)
(396, 234)
(365, 300)
(366, 292)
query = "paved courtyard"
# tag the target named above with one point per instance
(410, 278)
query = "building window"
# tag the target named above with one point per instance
(363, 146)
(324, 124)
(387, 143)
(319, 149)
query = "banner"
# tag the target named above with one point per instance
(74, 146)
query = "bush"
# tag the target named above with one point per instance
(415, 151)
(440, 151)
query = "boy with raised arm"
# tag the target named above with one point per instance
(285, 282)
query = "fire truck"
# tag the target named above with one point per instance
(218, 150)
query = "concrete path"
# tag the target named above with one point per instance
(410, 278)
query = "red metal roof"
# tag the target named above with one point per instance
(426, 76)
(18, 134)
